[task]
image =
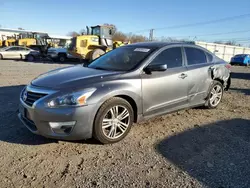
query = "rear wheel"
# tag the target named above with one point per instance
(113, 121)
(1, 56)
(97, 53)
(215, 95)
(62, 58)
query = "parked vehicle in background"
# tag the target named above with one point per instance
(240, 59)
(124, 86)
(59, 54)
(18, 52)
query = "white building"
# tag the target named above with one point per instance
(5, 32)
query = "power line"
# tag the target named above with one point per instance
(199, 23)
(213, 34)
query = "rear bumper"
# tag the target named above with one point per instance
(228, 83)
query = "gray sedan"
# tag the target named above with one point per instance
(125, 86)
(18, 52)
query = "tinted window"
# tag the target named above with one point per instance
(172, 57)
(210, 57)
(240, 55)
(21, 48)
(13, 49)
(195, 56)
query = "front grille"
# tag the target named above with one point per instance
(33, 97)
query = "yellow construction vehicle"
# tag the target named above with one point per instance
(10, 41)
(95, 43)
(31, 39)
(117, 43)
(34, 40)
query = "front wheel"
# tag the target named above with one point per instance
(1, 56)
(113, 121)
(96, 53)
(215, 95)
(30, 58)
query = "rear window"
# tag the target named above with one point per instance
(195, 56)
(240, 55)
(209, 57)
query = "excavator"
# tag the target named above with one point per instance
(95, 43)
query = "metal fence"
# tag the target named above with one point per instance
(223, 51)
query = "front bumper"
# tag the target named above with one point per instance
(37, 119)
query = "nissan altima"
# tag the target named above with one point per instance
(124, 86)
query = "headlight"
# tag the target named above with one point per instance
(72, 99)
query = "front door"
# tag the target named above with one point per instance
(165, 91)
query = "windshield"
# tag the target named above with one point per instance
(96, 31)
(240, 55)
(121, 59)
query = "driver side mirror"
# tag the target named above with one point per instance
(155, 68)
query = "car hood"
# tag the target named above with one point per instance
(72, 77)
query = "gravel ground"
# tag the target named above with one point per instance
(190, 148)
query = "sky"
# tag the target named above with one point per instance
(136, 16)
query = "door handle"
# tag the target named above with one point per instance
(183, 75)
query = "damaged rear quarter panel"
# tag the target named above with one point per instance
(220, 72)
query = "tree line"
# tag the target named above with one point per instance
(133, 38)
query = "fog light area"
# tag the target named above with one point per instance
(62, 127)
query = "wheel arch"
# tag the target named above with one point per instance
(133, 104)
(130, 97)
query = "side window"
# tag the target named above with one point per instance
(172, 57)
(12, 49)
(83, 43)
(20, 49)
(209, 57)
(195, 56)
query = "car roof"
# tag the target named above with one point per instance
(156, 44)
(17, 46)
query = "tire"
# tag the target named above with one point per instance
(1, 56)
(107, 135)
(62, 58)
(216, 88)
(96, 53)
(30, 58)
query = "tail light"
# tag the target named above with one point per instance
(228, 66)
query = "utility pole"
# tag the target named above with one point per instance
(151, 34)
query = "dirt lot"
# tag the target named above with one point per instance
(191, 148)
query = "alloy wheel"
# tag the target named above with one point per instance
(216, 95)
(115, 122)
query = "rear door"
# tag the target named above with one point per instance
(199, 64)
